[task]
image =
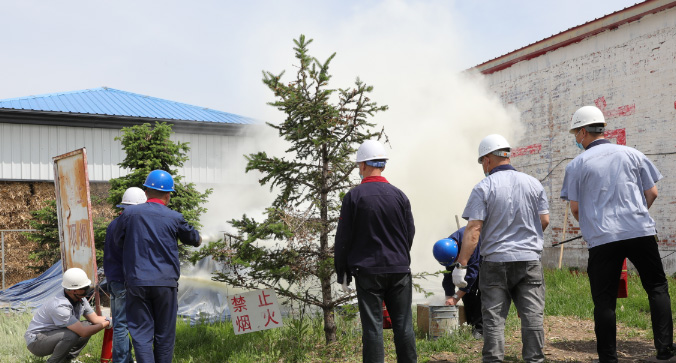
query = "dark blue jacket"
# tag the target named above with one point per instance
(472, 275)
(147, 233)
(112, 256)
(375, 230)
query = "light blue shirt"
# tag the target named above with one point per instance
(56, 313)
(510, 204)
(608, 182)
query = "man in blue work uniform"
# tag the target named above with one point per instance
(112, 267)
(610, 189)
(147, 234)
(373, 244)
(470, 294)
(509, 210)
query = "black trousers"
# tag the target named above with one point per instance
(604, 268)
(472, 302)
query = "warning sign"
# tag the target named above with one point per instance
(254, 311)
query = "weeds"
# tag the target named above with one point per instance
(302, 337)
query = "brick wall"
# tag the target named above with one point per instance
(628, 72)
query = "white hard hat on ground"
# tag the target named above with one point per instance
(587, 115)
(133, 196)
(493, 143)
(75, 279)
(371, 150)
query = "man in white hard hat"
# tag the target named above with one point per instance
(610, 188)
(373, 244)
(509, 209)
(56, 328)
(113, 268)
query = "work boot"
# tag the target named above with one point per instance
(666, 353)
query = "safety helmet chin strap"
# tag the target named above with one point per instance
(375, 164)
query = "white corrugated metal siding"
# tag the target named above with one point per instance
(26, 153)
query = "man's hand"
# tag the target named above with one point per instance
(459, 276)
(110, 322)
(346, 289)
(452, 301)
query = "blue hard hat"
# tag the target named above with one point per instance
(445, 251)
(160, 180)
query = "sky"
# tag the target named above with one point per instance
(212, 54)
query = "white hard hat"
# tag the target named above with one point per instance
(371, 150)
(492, 143)
(133, 196)
(586, 115)
(75, 279)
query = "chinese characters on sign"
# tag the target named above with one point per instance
(74, 211)
(254, 310)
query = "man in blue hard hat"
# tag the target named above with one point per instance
(112, 267)
(470, 294)
(147, 234)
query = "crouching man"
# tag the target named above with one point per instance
(56, 328)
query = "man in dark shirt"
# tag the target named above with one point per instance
(147, 234)
(373, 244)
(112, 267)
(470, 294)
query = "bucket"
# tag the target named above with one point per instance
(437, 320)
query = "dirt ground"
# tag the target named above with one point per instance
(568, 339)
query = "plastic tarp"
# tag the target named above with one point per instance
(30, 294)
(199, 298)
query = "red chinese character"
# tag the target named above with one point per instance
(243, 323)
(238, 304)
(270, 316)
(263, 299)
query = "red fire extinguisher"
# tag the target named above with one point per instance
(387, 322)
(107, 346)
(622, 290)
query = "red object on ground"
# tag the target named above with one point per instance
(107, 346)
(387, 322)
(622, 290)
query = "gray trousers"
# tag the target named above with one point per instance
(63, 344)
(500, 284)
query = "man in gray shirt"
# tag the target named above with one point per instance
(509, 210)
(56, 328)
(610, 189)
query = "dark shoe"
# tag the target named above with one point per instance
(666, 353)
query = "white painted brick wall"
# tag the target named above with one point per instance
(633, 70)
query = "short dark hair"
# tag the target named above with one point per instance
(595, 126)
(154, 193)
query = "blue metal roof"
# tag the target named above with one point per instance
(112, 102)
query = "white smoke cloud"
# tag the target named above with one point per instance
(437, 113)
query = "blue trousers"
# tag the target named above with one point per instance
(151, 316)
(397, 292)
(121, 342)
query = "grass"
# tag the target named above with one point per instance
(303, 340)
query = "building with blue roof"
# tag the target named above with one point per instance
(33, 129)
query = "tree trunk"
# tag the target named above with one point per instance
(329, 318)
(326, 275)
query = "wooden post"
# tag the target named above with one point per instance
(565, 226)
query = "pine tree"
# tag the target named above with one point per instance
(149, 148)
(291, 251)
